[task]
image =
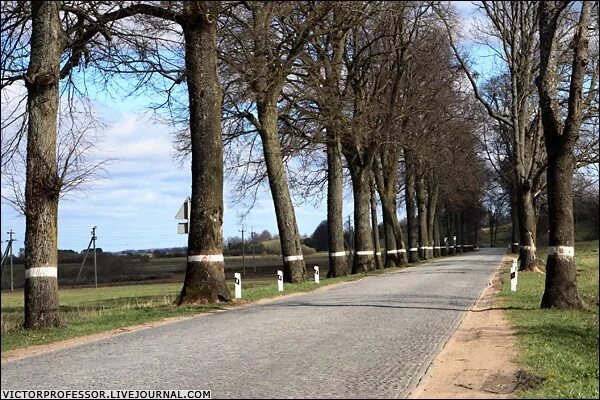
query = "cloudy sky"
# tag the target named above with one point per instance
(134, 204)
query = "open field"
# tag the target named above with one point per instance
(559, 346)
(124, 269)
(90, 310)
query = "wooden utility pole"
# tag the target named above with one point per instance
(9, 252)
(243, 254)
(253, 250)
(95, 264)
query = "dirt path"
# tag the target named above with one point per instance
(477, 361)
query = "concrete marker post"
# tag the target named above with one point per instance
(237, 279)
(316, 274)
(513, 276)
(280, 280)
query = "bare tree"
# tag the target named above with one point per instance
(77, 164)
(560, 138)
(260, 46)
(205, 276)
(45, 42)
(513, 25)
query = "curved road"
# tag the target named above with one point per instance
(373, 338)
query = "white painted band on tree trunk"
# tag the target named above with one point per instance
(337, 254)
(293, 258)
(437, 247)
(206, 258)
(451, 247)
(515, 244)
(365, 253)
(423, 248)
(562, 251)
(392, 251)
(402, 251)
(48, 271)
(413, 249)
(378, 253)
(528, 248)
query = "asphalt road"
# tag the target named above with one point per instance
(373, 338)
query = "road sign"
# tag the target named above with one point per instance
(184, 214)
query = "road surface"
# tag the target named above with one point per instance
(373, 338)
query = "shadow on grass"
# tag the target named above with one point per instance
(563, 335)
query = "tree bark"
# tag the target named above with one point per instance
(458, 242)
(387, 185)
(514, 217)
(431, 219)
(294, 269)
(411, 223)
(338, 262)
(42, 185)
(363, 241)
(437, 242)
(204, 275)
(375, 227)
(422, 219)
(561, 274)
(451, 221)
(526, 229)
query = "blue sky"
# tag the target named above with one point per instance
(134, 204)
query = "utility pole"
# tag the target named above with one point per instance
(92, 241)
(9, 248)
(243, 253)
(253, 252)
(95, 266)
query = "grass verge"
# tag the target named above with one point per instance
(560, 346)
(89, 310)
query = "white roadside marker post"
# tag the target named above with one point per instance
(237, 278)
(316, 274)
(513, 276)
(280, 280)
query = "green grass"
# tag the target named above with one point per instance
(89, 310)
(558, 345)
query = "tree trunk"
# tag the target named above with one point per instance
(431, 217)
(375, 227)
(492, 223)
(422, 219)
(363, 241)
(411, 223)
(42, 185)
(399, 236)
(451, 221)
(437, 243)
(394, 243)
(561, 274)
(514, 217)
(458, 242)
(204, 275)
(527, 228)
(294, 269)
(338, 262)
